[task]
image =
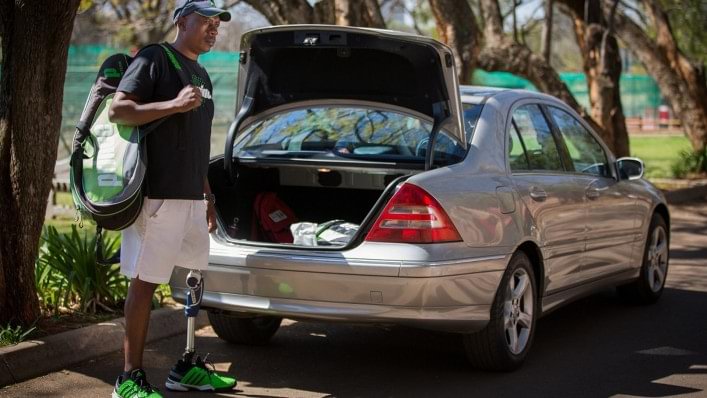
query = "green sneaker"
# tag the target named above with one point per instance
(135, 386)
(186, 376)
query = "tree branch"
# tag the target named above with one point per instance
(375, 16)
(605, 37)
(230, 4)
(456, 24)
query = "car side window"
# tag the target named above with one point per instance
(471, 116)
(587, 155)
(516, 151)
(536, 140)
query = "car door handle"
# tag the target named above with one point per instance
(538, 194)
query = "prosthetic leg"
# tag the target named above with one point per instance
(190, 372)
(195, 292)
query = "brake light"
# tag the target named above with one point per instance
(413, 216)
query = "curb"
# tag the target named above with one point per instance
(34, 358)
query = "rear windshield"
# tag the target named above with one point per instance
(344, 131)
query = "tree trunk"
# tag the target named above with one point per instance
(365, 13)
(547, 31)
(325, 12)
(681, 81)
(35, 39)
(503, 54)
(602, 67)
(373, 14)
(456, 25)
(284, 12)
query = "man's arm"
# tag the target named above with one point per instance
(210, 209)
(126, 108)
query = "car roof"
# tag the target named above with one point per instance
(481, 94)
(478, 94)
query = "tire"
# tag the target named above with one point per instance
(649, 286)
(257, 330)
(493, 348)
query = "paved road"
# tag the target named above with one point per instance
(597, 347)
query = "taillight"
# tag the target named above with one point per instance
(413, 216)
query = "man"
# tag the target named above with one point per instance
(178, 212)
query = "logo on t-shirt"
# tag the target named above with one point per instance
(199, 82)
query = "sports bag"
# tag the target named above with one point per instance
(109, 160)
(271, 219)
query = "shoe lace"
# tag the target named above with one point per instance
(205, 364)
(144, 385)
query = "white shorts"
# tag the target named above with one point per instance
(167, 233)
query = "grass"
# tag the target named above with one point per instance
(10, 335)
(658, 152)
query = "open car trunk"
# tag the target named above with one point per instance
(314, 194)
(328, 120)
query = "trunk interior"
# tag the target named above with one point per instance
(315, 194)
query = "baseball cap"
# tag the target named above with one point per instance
(206, 8)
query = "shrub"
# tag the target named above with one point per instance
(690, 163)
(67, 272)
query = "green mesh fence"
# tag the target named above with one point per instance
(638, 92)
(83, 64)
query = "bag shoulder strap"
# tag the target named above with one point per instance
(174, 62)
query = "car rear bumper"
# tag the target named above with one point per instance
(449, 295)
(453, 319)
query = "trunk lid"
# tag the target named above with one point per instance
(287, 64)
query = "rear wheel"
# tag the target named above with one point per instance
(504, 343)
(237, 329)
(654, 270)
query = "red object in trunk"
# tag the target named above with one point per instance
(272, 219)
(413, 216)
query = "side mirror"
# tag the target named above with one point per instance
(630, 168)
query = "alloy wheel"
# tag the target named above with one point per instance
(657, 259)
(518, 311)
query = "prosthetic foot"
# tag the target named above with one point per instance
(191, 372)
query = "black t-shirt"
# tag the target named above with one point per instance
(178, 149)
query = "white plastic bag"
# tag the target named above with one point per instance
(304, 233)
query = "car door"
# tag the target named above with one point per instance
(611, 206)
(554, 200)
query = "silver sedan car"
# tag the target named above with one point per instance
(361, 184)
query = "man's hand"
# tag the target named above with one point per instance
(187, 99)
(211, 217)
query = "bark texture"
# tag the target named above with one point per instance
(358, 13)
(602, 67)
(456, 26)
(501, 53)
(31, 92)
(284, 12)
(681, 81)
(547, 30)
(364, 13)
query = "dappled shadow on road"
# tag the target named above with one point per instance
(689, 252)
(698, 229)
(599, 346)
(596, 347)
